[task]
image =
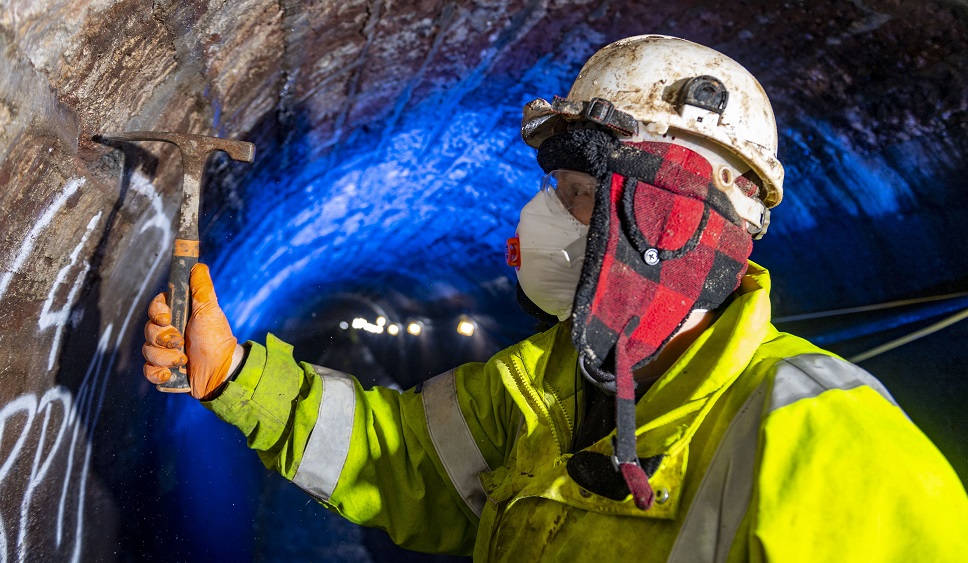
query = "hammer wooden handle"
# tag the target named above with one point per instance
(184, 255)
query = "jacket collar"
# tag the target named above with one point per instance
(684, 394)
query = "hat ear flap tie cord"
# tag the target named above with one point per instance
(625, 459)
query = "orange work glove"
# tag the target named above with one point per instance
(211, 349)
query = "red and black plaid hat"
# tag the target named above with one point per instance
(663, 241)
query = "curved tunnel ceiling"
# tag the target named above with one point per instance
(388, 175)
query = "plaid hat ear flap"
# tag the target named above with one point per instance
(620, 283)
(659, 225)
(655, 251)
(728, 247)
(592, 337)
(658, 247)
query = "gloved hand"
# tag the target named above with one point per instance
(212, 352)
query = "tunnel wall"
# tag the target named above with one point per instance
(96, 465)
(85, 237)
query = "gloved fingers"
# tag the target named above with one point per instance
(163, 336)
(157, 374)
(158, 311)
(208, 337)
(203, 291)
(163, 357)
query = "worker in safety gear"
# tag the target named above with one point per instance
(662, 417)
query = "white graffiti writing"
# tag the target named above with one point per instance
(59, 318)
(31, 239)
(51, 436)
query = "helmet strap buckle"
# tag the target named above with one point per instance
(599, 111)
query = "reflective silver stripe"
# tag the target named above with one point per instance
(453, 440)
(724, 494)
(808, 375)
(723, 497)
(329, 441)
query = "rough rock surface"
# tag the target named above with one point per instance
(873, 109)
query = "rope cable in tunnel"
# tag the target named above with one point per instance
(868, 308)
(910, 337)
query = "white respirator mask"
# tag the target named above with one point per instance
(548, 251)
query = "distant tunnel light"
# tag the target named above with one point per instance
(393, 329)
(381, 321)
(360, 323)
(466, 327)
(414, 329)
(344, 325)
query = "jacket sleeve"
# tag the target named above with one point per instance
(844, 475)
(372, 456)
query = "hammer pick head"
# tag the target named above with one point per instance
(195, 147)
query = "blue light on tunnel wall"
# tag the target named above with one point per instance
(430, 197)
(428, 218)
(828, 176)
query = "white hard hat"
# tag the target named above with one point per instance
(654, 85)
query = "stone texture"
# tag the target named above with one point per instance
(877, 86)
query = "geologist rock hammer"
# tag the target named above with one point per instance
(195, 150)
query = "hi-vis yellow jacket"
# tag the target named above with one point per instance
(760, 447)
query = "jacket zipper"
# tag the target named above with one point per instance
(537, 405)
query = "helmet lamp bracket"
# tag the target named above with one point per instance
(706, 92)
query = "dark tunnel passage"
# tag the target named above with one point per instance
(389, 172)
